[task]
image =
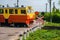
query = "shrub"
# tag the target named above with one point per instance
(55, 17)
(47, 16)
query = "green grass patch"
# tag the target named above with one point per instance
(45, 35)
(52, 24)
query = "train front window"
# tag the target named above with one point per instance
(30, 11)
(11, 11)
(1, 11)
(23, 11)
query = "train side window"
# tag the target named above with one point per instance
(16, 11)
(6, 11)
(23, 11)
(11, 11)
(1, 11)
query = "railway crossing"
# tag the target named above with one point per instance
(15, 33)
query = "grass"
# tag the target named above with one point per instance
(52, 24)
(44, 35)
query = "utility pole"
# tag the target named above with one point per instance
(17, 3)
(54, 7)
(50, 11)
(46, 7)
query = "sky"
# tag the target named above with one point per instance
(38, 5)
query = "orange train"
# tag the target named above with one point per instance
(17, 16)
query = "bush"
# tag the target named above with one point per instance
(47, 16)
(55, 17)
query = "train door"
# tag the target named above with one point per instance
(6, 13)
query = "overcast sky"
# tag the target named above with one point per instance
(38, 5)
